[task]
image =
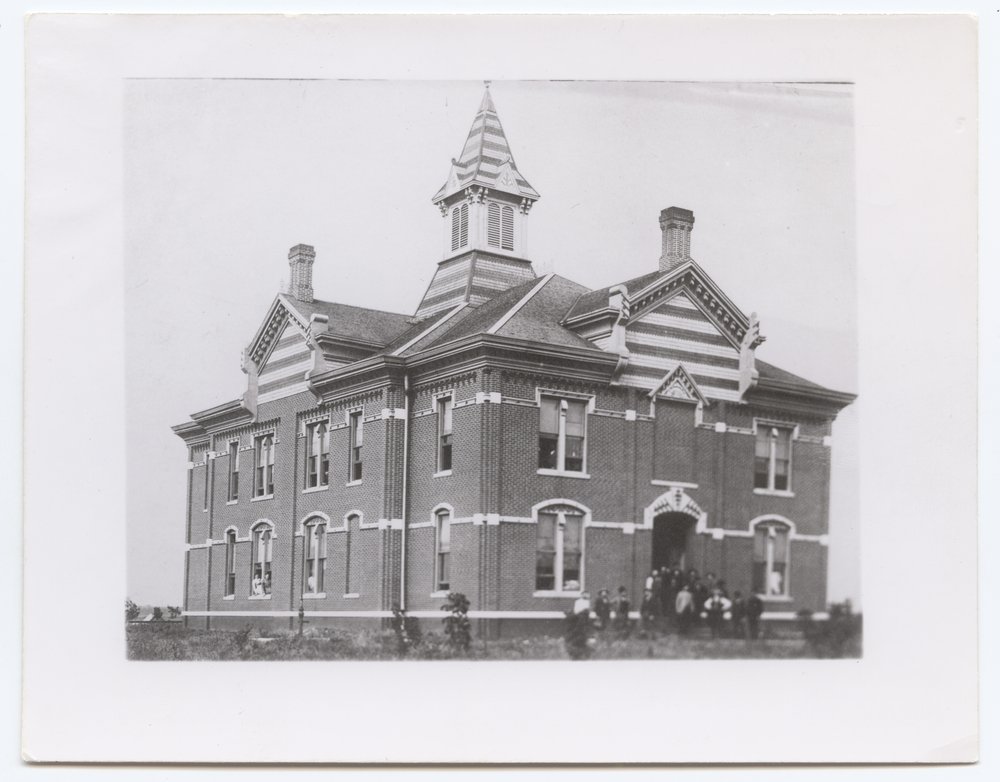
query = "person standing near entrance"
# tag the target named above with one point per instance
(623, 606)
(755, 607)
(684, 608)
(739, 611)
(717, 609)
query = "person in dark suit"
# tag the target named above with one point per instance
(622, 608)
(755, 607)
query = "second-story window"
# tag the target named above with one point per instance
(263, 485)
(773, 458)
(562, 434)
(444, 406)
(357, 428)
(234, 471)
(317, 455)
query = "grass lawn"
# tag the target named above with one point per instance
(172, 641)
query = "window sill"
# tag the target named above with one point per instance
(554, 593)
(774, 493)
(352, 596)
(776, 598)
(259, 597)
(262, 497)
(562, 473)
(232, 502)
(440, 594)
(441, 474)
(313, 595)
(354, 483)
(314, 489)
(229, 597)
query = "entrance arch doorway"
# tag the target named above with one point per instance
(673, 535)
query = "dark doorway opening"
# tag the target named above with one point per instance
(673, 534)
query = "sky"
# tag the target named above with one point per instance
(223, 176)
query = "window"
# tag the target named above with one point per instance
(500, 227)
(234, 471)
(204, 497)
(493, 226)
(442, 551)
(562, 434)
(230, 563)
(507, 229)
(459, 226)
(357, 425)
(263, 485)
(559, 551)
(260, 572)
(773, 458)
(444, 407)
(317, 455)
(350, 574)
(315, 556)
(770, 559)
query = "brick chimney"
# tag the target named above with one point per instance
(676, 224)
(300, 280)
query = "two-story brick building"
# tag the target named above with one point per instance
(519, 439)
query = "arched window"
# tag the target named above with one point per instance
(317, 455)
(230, 589)
(260, 558)
(264, 460)
(559, 549)
(351, 580)
(500, 226)
(315, 549)
(770, 559)
(459, 226)
(493, 225)
(442, 550)
(507, 229)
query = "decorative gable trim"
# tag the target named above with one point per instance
(689, 278)
(678, 385)
(274, 323)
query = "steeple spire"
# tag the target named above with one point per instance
(485, 203)
(486, 159)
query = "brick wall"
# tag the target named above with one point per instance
(494, 471)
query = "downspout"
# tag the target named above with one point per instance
(406, 474)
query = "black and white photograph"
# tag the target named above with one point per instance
(521, 416)
(591, 389)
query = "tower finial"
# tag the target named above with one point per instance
(486, 83)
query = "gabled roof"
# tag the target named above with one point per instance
(529, 311)
(594, 301)
(486, 159)
(350, 322)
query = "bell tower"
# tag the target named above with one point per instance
(485, 204)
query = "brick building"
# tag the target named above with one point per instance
(519, 439)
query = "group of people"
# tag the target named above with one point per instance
(678, 601)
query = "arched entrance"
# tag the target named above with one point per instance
(673, 535)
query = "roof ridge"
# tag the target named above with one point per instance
(520, 304)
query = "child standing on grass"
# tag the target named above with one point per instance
(602, 607)
(684, 608)
(622, 608)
